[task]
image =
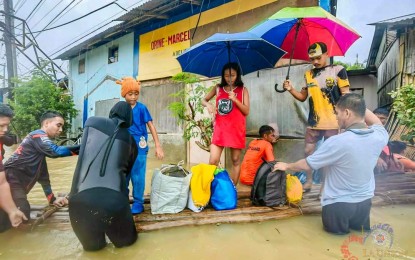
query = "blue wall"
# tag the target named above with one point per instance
(85, 87)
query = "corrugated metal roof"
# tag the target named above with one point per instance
(409, 19)
(144, 16)
(390, 26)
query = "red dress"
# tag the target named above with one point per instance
(230, 124)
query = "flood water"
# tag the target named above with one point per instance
(294, 238)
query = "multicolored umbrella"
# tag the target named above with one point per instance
(294, 29)
(250, 51)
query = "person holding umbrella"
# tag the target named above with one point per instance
(230, 111)
(324, 84)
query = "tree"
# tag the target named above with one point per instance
(189, 110)
(348, 66)
(404, 106)
(35, 95)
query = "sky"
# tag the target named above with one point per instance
(355, 13)
(359, 13)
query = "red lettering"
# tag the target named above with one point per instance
(178, 37)
(157, 44)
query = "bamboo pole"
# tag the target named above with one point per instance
(48, 211)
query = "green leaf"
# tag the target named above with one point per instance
(35, 95)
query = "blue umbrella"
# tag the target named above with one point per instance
(250, 51)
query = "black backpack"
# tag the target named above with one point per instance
(269, 187)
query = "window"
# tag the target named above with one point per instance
(81, 66)
(113, 54)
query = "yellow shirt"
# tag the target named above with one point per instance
(323, 86)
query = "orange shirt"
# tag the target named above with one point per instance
(408, 164)
(257, 150)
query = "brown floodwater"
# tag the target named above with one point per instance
(294, 238)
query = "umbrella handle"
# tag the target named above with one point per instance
(283, 89)
(279, 90)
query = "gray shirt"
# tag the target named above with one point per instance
(348, 160)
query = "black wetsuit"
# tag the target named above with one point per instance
(98, 202)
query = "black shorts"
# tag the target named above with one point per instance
(339, 217)
(20, 199)
(99, 211)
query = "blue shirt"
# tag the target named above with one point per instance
(348, 160)
(141, 116)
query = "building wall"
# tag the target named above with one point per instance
(366, 85)
(389, 74)
(92, 85)
(409, 57)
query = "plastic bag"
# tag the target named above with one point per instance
(224, 194)
(169, 189)
(294, 189)
(202, 176)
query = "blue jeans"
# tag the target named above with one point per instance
(138, 178)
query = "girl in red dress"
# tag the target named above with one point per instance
(230, 111)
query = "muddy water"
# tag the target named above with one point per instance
(294, 238)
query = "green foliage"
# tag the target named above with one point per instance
(404, 106)
(348, 66)
(35, 95)
(189, 110)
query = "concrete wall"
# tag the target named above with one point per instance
(367, 85)
(90, 84)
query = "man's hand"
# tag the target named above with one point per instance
(159, 152)
(287, 85)
(282, 166)
(381, 165)
(16, 217)
(61, 202)
(74, 149)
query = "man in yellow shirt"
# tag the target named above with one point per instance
(324, 84)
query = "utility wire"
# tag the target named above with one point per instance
(16, 4)
(18, 8)
(33, 10)
(93, 30)
(47, 13)
(55, 18)
(198, 20)
(74, 20)
(67, 12)
(81, 38)
(33, 15)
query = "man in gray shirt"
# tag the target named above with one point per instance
(348, 160)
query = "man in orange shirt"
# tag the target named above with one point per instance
(258, 151)
(397, 148)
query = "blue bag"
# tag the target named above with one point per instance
(224, 195)
(302, 176)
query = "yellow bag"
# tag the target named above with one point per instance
(202, 177)
(294, 189)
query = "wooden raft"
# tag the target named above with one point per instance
(390, 189)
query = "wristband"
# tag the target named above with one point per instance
(51, 198)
